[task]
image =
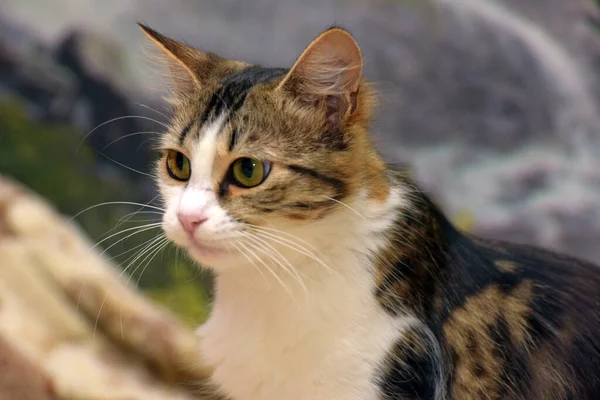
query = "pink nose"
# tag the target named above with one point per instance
(190, 222)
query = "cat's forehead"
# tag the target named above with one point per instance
(225, 99)
(231, 94)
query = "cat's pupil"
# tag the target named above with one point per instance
(179, 161)
(248, 167)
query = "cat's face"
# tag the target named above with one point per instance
(254, 152)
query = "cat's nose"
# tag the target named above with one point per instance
(191, 222)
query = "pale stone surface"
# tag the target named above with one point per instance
(71, 327)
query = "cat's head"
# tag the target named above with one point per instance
(253, 151)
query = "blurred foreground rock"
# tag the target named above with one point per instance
(71, 327)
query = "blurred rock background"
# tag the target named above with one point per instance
(493, 103)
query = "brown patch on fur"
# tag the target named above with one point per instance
(467, 332)
(506, 266)
(550, 378)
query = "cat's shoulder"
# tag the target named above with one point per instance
(521, 321)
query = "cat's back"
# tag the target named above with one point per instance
(520, 322)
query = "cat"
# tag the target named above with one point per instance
(336, 276)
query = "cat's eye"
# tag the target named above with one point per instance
(178, 166)
(248, 172)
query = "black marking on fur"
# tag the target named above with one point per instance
(334, 140)
(410, 370)
(515, 371)
(231, 95)
(185, 131)
(224, 187)
(297, 206)
(337, 184)
(233, 139)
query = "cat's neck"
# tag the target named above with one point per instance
(326, 327)
(329, 268)
(349, 255)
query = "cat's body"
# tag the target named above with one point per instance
(336, 277)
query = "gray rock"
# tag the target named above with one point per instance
(493, 102)
(28, 71)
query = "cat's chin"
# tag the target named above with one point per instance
(214, 257)
(203, 250)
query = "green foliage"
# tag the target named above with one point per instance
(53, 161)
(185, 296)
(45, 158)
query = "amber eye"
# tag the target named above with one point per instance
(248, 172)
(178, 166)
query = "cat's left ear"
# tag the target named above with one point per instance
(328, 74)
(189, 68)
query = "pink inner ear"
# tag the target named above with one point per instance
(333, 110)
(337, 106)
(331, 66)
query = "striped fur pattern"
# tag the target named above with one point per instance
(337, 277)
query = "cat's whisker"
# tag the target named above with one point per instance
(127, 217)
(117, 203)
(151, 109)
(156, 252)
(345, 205)
(141, 228)
(147, 243)
(131, 249)
(106, 295)
(159, 244)
(96, 322)
(278, 259)
(305, 246)
(153, 242)
(281, 282)
(294, 246)
(114, 120)
(143, 142)
(145, 221)
(289, 268)
(249, 259)
(280, 232)
(124, 166)
(129, 135)
(126, 237)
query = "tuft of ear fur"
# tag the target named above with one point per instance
(189, 67)
(328, 74)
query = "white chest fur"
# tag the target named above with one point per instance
(325, 343)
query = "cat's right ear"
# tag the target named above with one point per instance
(189, 68)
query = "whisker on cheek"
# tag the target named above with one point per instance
(294, 246)
(281, 260)
(269, 269)
(347, 206)
(248, 258)
(157, 251)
